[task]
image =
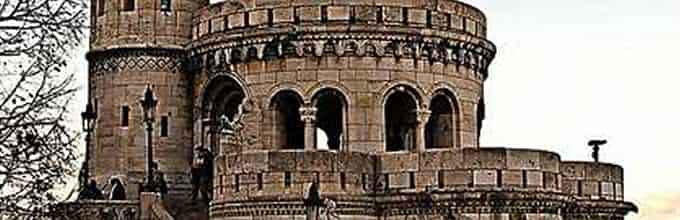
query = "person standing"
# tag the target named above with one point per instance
(196, 164)
(206, 173)
(91, 192)
(117, 190)
(201, 174)
(159, 180)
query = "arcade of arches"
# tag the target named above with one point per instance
(408, 127)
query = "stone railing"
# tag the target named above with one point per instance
(97, 209)
(460, 181)
(593, 181)
(274, 174)
(484, 168)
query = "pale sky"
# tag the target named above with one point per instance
(568, 71)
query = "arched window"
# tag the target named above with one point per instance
(222, 97)
(440, 131)
(330, 115)
(400, 120)
(289, 130)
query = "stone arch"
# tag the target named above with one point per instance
(448, 88)
(286, 86)
(285, 120)
(313, 90)
(443, 126)
(401, 104)
(222, 95)
(331, 116)
(417, 92)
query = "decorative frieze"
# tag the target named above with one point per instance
(137, 59)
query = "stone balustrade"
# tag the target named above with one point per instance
(461, 180)
(98, 209)
(593, 181)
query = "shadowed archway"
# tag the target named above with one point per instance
(288, 128)
(400, 119)
(441, 128)
(330, 116)
(222, 97)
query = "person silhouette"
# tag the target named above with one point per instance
(117, 190)
(91, 192)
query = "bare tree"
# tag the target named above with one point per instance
(37, 149)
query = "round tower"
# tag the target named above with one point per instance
(352, 95)
(135, 43)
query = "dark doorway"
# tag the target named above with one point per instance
(330, 106)
(400, 121)
(288, 126)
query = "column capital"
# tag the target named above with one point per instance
(423, 115)
(308, 114)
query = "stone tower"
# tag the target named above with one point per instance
(378, 102)
(135, 43)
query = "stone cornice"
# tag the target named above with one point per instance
(462, 50)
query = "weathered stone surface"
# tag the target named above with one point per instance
(284, 62)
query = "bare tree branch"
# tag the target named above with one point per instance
(37, 149)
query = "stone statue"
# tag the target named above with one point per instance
(233, 125)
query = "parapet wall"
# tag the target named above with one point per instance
(593, 181)
(469, 182)
(485, 168)
(449, 15)
(287, 174)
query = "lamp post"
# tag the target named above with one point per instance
(148, 104)
(88, 118)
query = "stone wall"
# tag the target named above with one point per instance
(472, 183)
(363, 64)
(145, 25)
(131, 49)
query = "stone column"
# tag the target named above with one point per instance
(308, 116)
(422, 116)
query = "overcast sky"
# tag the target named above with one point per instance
(568, 71)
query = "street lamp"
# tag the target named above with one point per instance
(148, 104)
(88, 119)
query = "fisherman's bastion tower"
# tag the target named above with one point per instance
(378, 102)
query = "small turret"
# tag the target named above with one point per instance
(135, 43)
